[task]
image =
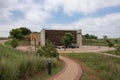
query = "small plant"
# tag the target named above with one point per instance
(14, 43)
(48, 50)
(110, 44)
(118, 49)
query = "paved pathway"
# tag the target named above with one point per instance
(71, 71)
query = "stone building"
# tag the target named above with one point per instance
(55, 36)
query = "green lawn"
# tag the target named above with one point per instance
(96, 66)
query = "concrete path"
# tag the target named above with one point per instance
(71, 71)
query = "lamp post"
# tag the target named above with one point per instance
(49, 66)
(35, 43)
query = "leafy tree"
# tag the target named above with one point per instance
(88, 36)
(48, 50)
(105, 37)
(67, 39)
(16, 33)
(25, 31)
(14, 43)
(19, 33)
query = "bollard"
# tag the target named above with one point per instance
(49, 66)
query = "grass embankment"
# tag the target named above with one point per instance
(97, 67)
(116, 51)
(19, 65)
(3, 38)
(98, 42)
(20, 42)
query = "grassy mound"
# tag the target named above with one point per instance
(19, 65)
(99, 67)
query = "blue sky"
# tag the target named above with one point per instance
(97, 17)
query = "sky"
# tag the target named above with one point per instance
(96, 17)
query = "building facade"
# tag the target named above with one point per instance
(35, 39)
(56, 35)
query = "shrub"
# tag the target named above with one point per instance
(118, 49)
(110, 44)
(48, 50)
(14, 43)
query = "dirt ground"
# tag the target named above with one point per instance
(70, 50)
(85, 49)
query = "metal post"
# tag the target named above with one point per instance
(49, 66)
(35, 43)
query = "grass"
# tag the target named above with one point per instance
(3, 38)
(19, 65)
(97, 66)
(20, 42)
(98, 42)
(44, 75)
(113, 52)
(116, 51)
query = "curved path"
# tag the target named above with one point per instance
(71, 71)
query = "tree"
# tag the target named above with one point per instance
(25, 31)
(19, 33)
(105, 37)
(48, 50)
(88, 36)
(16, 33)
(14, 43)
(67, 39)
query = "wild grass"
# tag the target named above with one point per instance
(104, 67)
(20, 42)
(98, 42)
(19, 65)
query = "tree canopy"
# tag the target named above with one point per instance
(89, 36)
(19, 33)
(67, 39)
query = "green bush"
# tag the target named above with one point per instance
(14, 43)
(48, 50)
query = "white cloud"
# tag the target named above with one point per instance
(100, 26)
(36, 14)
(83, 6)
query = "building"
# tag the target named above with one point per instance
(55, 36)
(35, 38)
